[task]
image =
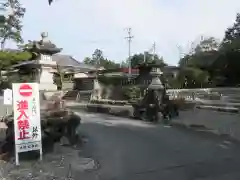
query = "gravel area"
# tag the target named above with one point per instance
(64, 163)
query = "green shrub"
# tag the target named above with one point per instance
(132, 92)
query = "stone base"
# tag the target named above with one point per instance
(49, 94)
(46, 79)
(47, 87)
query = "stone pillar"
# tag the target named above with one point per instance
(46, 79)
(96, 90)
(46, 73)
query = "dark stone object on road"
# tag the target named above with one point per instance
(54, 124)
(152, 104)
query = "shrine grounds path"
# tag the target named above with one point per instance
(134, 150)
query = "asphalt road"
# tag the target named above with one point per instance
(134, 150)
(127, 149)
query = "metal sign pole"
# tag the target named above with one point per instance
(6, 111)
(16, 157)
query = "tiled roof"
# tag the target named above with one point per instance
(66, 60)
(24, 63)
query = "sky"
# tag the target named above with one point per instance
(81, 26)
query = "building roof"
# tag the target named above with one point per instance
(69, 61)
(65, 61)
(25, 63)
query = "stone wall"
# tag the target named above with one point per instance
(223, 94)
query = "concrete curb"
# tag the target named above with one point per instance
(218, 108)
(205, 107)
(121, 113)
(205, 130)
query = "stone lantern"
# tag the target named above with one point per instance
(156, 83)
(42, 64)
(97, 89)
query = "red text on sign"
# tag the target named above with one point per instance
(22, 120)
(23, 134)
(23, 124)
(22, 107)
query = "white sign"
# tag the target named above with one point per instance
(7, 95)
(27, 126)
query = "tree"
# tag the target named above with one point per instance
(87, 60)
(207, 45)
(232, 33)
(204, 54)
(9, 58)
(99, 60)
(228, 63)
(97, 56)
(192, 77)
(12, 27)
(2, 16)
(108, 64)
(219, 61)
(197, 67)
(147, 58)
(184, 61)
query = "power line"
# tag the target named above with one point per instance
(129, 38)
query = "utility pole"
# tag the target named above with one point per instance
(129, 38)
(154, 51)
(144, 56)
(179, 51)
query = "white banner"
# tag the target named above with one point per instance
(7, 95)
(27, 125)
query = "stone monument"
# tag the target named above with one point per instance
(156, 83)
(46, 66)
(97, 89)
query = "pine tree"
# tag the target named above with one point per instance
(12, 28)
